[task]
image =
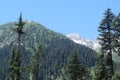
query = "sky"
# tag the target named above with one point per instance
(62, 16)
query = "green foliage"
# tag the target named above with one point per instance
(117, 75)
(75, 69)
(116, 58)
(12, 66)
(105, 29)
(106, 37)
(110, 39)
(116, 30)
(18, 59)
(56, 49)
(35, 63)
(20, 25)
(101, 69)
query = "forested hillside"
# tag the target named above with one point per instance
(56, 50)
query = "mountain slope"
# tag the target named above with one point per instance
(93, 44)
(56, 49)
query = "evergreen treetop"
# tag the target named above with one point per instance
(75, 69)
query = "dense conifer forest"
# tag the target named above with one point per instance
(30, 51)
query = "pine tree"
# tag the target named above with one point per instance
(116, 28)
(20, 32)
(100, 69)
(35, 64)
(75, 69)
(12, 66)
(106, 38)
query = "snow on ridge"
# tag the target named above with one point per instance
(74, 36)
(93, 44)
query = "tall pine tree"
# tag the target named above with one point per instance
(75, 69)
(20, 32)
(116, 31)
(106, 38)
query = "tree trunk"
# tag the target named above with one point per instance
(18, 59)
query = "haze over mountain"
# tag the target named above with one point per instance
(56, 49)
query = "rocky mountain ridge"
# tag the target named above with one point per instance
(93, 44)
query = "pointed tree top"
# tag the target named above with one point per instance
(20, 25)
(21, 14)
(20, 18)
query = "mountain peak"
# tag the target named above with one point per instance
(93, 44)
(74, 36)
(56, 48)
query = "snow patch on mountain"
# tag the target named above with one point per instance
(93, 44)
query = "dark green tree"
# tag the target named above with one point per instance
(20, 32)
(36, 61)
(116, 42)
(100, 69)
(75, 69)
(116, 31)
(116, 76)
(106, 38)
(12, 66)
